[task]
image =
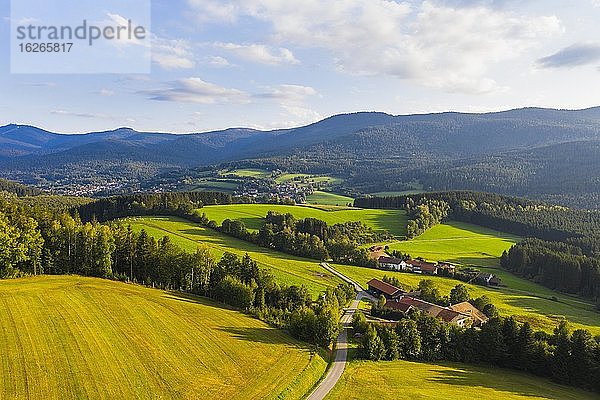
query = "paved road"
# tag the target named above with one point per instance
(341, 354)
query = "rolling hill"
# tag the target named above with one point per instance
(71, 338)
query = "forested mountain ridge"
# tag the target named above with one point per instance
(541, 153)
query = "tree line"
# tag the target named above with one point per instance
(308, 237)
(557, 265)
(565, 357)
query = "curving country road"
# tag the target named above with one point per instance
(341, 354)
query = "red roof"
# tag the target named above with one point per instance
(395, 305)
(422, 264)
(446, 314)
(383, 287)
(389, 260)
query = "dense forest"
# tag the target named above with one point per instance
(36, 240)
(18, 189)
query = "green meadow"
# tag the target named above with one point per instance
(286, 268)
(253, 215)
(402, 379)
(460, 243)
(66, 337)
(328, 199)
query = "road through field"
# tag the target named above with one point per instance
(339, 364)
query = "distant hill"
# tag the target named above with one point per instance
(503, 151)
(18, 189)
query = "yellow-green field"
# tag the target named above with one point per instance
(84, 338)
(287, 269)
(459, 242)
(329, 199)
(408, 380)
(253, 215)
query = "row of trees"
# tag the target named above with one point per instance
(507, 214)
(424, 215)
(309, 237)
(565, 357)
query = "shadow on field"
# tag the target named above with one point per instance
(259, 335)
(493, 379)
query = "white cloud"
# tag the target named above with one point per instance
(436, 44)
(79, 115)
(195, 90)
(172, 53)
(259, 53)
(106, 92)
(289, 93)
(218, 62)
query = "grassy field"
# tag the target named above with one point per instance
(287, 269)
(328, 199)
(403, 379)
(74, 338)
(248, 173)
(459, 243)
(471, 244)
(252, 215)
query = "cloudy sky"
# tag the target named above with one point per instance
(280, 63)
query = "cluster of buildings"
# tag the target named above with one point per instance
(387, 262)
(462, 314)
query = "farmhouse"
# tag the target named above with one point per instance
(423, 267)
(447, 315)
(378, 288)
(467, 308)
(488, 279)
(392, 263)
(446, 266)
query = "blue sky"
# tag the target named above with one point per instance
(279, 63)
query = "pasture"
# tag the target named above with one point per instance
(66, 337)
(460, 243)
(253, 215)
(328, 199)
(286, 268)
(386, 380)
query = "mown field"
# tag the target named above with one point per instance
(459, 243)
(286, 268)
(328, 199)
(83, 338)
(253, 215)
(403, 379)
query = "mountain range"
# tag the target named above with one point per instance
(542, 153)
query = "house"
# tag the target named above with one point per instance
(423, 267)
(447, 315)
(467, 308)
(446, 266)
(488, 279)
(391, 263)
(378, 288)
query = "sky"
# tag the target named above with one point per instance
(270, 64)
